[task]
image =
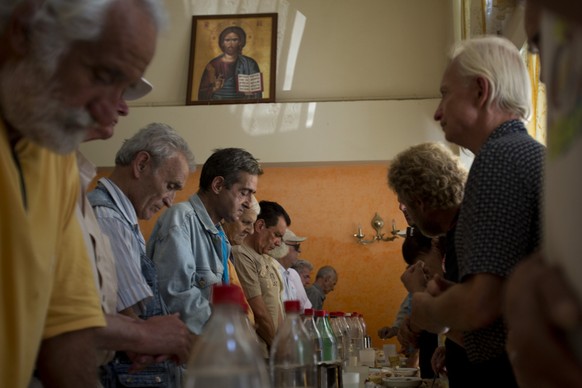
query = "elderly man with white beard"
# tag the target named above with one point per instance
(63, 68)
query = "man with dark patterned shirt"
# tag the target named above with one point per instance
(485, 96)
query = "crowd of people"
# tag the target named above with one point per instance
(87, 301)
(506, 300)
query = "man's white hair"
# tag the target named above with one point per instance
(498, 61)
(58, 23)
(52, 26)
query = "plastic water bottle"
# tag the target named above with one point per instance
(343, 323)
(329, 369)
(225, 355)
(292, 360)
(330, 352)
(356, 333)
(314, 333)
(367, 339)
(341, 335)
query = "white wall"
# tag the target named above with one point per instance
(363, 87)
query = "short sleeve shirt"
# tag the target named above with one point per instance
(259, 276)
(499, 221)
(47, 285)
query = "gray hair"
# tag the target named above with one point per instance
(254, 206)
(228, 163)
(58, 23)
(325, 271)
(160, 141)
(498, 61)
(300, 264)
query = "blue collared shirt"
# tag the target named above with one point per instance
(187, 249)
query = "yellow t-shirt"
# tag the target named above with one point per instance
(46, 282)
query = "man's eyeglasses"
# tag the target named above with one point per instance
(296, 246)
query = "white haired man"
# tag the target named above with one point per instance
(150, 167)
(304, 269)
(485, 98)
(147, 340)
(63, 69)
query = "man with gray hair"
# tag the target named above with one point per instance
(303, 268)
(485, 98)
(324, 283)
(189, 246)
(63, 69)
(150, 168)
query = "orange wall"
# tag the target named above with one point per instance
(326, 203)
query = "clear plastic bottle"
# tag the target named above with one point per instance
(355, 335)
(340, 336)
(314, 333)
(225, 355)
(367, 339)
(343, 322)
(330, 352)
(293, 361)
(329, 370)
(355, 319)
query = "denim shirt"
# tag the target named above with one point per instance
(187, 251)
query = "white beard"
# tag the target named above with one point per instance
(30, 104)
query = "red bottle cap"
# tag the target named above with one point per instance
(227, 294)
(292, 306)
(320, 313)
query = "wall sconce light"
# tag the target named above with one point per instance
(377, 223)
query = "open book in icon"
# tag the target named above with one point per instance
(249, 83)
